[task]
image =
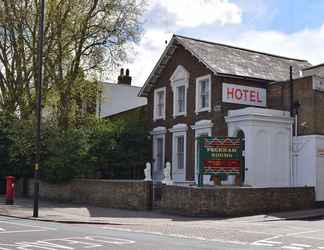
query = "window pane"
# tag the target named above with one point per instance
(180, 152)
(204, 93)
(160, 103)
(181, 99)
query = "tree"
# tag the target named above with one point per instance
(82, 39)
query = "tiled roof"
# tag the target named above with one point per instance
(228, 60)
(231, 60)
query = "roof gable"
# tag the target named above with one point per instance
(228, 60)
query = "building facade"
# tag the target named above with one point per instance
(194, 85)
(120, 100)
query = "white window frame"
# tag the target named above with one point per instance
(179, 130)
(180, 77)
(158, 132)
(155, 108)
(198, 94)
(201, 127)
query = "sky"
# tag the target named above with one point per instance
(292, 28)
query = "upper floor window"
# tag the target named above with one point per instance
(203, 93)
(179, 84)
(159, 103)
(181, 97)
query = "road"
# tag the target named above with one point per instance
(205, 234)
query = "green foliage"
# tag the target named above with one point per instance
(22, 149)
(120, 149)
(83, 40)
(67, 155)
(4, 144)
(103, 149)
(17, 146)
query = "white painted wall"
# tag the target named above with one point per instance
(309, 163)
(267, 145)
(117, 98)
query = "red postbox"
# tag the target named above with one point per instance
(10, 190)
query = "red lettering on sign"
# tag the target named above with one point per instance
(258, 97)
(230, 92)
(238, 94)
(252, 96)
(222, 165)
(245, 91)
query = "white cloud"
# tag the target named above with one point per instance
(145, 56)
(194, 13)
(305, 44)
(166, 16)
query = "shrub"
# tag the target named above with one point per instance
(120, 149)
(106, 149)
(67, 155)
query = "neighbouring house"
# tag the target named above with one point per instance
(200, 88)
(121, 100)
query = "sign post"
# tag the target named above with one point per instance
(219, 156)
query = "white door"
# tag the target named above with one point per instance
(179, 157)
(158, 155)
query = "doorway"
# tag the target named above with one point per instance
(158, 157)
(2, 185)
(241, 135)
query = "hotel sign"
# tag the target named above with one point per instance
(239, 94)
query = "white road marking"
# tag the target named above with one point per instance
(22, 228)
(254, 232)
(266, 243)
(27, 225)
(304, 232)
(292, 248)
(71, 243)
(177, 235)
(110, 240)
(22, 231)
(301, 245)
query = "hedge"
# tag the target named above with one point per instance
(106, 149)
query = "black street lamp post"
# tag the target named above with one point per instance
(39, 102)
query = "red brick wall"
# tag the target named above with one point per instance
(311, 110)
(195, 69)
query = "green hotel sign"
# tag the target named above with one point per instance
(220, 156)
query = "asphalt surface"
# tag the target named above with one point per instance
(222, 234)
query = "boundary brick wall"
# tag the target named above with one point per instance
(127, 194)
(209, 201)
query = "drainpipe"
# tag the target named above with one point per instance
(292, 130)
(291, 93)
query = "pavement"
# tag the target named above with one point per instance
(77, 213)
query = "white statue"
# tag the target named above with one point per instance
(147, 172)
(167, 174)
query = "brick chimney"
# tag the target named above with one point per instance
(124, 79)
